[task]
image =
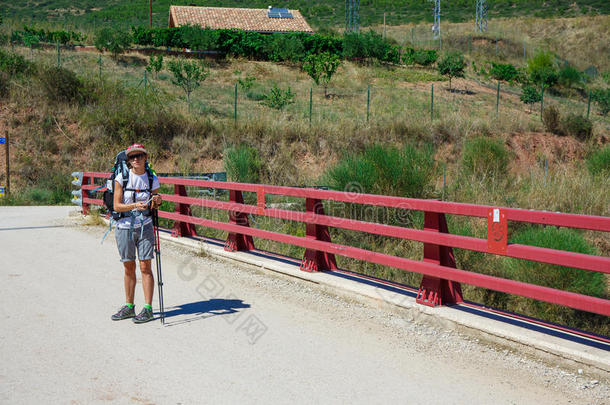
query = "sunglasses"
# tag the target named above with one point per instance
(137, 156)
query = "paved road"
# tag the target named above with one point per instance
(233, 335)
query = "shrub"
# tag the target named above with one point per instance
(569, 76)
(425, 57)
(484, 157)
(4, 85)
(559, 277)
(112, 40)
(506, 72)
(14, 64)
(452, 65)
(551, 120)
(602, 98)
(246, 83)
(385, 170)
(61, 85)
(278, 98)
(321, 68)
(285, 48)
(598, 162)
(530, 95)
(188, 76)
(155, 64)
(242, 164)
(542, 69)
(577, 125)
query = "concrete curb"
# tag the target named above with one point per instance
(537, 340)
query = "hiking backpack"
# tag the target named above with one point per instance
(121, 167)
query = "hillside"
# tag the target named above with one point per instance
(86, 14)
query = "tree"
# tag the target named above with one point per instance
(30, 40)
(506, 72)
(188, 76)
(452, 65)
(321, 68)
(155, 64)
(542, 69)
(529, 95)
(112, 40)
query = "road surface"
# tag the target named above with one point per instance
(234, 335)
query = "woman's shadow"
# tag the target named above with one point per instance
(204, 310)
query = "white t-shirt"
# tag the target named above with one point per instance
(136, 182)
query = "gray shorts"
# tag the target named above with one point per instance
(127, 247)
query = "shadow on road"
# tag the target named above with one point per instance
(203, 310)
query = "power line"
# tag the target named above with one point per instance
(480, 24)
(352, 15)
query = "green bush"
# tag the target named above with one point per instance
(112, 40)
(598, 162)
(568, 279)
(285, 48)
(278, 98)
(602, 98)
(569, 76)
(485, 157)
(61, 85)
(242, 164)
(506, 72)
(542, 69)
(530, 95)
(405, 172)
(578, 126)
(552, 120)
(14, 64)
(425, 57)
(4, 85)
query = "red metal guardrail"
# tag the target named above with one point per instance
(441, 281)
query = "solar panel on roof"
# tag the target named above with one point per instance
(279, 13)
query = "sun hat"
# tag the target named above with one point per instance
(136, 147)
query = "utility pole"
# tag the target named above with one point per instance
(384, 25)
(150, 13)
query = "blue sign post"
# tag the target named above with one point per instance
(2, 141)
(2, 191)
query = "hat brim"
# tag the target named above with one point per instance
(134, 150)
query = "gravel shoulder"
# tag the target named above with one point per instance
(233, 334)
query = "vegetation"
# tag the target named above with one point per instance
(484, 157)
(278, 98)
(503, 71)
(530, 95)
(598, 162)
(452, 65)
(602, 98)
(542, 69)
(188, 76)
(242, 164)
(155, 64)
(112, 40)
(321, 68)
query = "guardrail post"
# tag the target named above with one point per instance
(435, 291)
(87, 180)
(315, 260)
(238, 241)
(182, 228)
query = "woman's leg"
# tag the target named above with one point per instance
(148, 281)
(130, 281)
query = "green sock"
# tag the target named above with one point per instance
(129, 305)
(148, 306)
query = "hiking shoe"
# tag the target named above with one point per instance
(145, 315)
(124, 313)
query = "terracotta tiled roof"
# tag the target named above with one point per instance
(247, 19)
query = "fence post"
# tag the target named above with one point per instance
(498, 99)
(99, 62)
(541, 99)
(7, 156)
(432, 102)
(235, 105)
(58, 55)
(412, 37)
(315, 260)
(589, 104)
(524, 52)
(368, 102)
(496, 45)
(469, 43)
(238, 241)
(85, 194)
(435, 291)
(182, 228)
(310, 104)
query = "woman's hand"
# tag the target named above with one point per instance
(156, 201)
(140, 206)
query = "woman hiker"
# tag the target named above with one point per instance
(134, 231)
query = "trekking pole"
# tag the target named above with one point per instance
(158, 263)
